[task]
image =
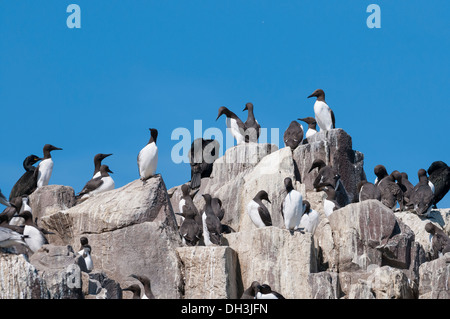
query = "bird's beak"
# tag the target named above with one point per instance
(311, 95)
(110, 171)
(57, 149)
(245, 108)
(269, 201)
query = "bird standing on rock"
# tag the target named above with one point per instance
(252, 127)
(147, 159)
(312, 126)
(324, 115)
(212, 228)
(45, 167)
(292, 207)
(27, 183)
(98, 185)
(422, 196)
(98, 158)
(234, 124)
(258, 212)
(293, 135)
(439, 175)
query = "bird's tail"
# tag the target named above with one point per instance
(196, 180)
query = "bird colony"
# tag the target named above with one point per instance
(208, 217)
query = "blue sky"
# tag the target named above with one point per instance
(139, 64)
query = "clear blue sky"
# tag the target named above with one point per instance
(140, 64)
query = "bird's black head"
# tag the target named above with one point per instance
(318, 163)
(306, 206)
(153, 134)
(380, 171)
(222, 110)
(319, 93)
(288, 184)
(49, 148)
(263, 195)
(101, 156)
(105, 169)
(248, 106)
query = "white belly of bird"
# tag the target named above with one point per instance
(310, 133)
(265, 296)
(108, 184)
(323, 116)
(180, 207)
(328, 207)
(293, 209)
(87, 259)
(148, 161)
(252, 210)
(45, 172)
(234, 129)
(208, 242)
(35, 239)
(310, 221)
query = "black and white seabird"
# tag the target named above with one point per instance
(19, 221)
(266, 292)
(187, 200)
(9, 238)
(439, 175)
(407, 189)
(310, 218)
(202, 155)
(380, 173)
(147, 159)
(135, 289)
(312, 126)
(36, 238)
(98, 163)
(98, 185)
(250, 292)
(190, 230)
(440, 242)
(27, 183)
(234, 124)
(291, 207)
(45, 168)
(252, 127)
(145, 281)
(323, 113)
(367, 190)
(329, 203)
(422, 197)
(4, 200)
(258, 212)
(85, 252)
(390, 191)
(212, 228)
(327, 175)
(293, 135)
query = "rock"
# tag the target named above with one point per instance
(435, 278)
(334, 147)
(103, 287)
(273, 256)
(210, 272)
(358, 229)
(325, 285)
(20, 279)
(123, 225)
(378, 283)
(61, 268)
(51, 199)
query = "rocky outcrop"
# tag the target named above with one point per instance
(334, 147)
(435, 279)
(362, 251)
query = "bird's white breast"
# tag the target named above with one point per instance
(310, 221)
(148, 160)
(252, 210)
(208, 242)
(234, 129)
(328, 207)
(45, 172)
(293, 209)
(323, 115)
(35, 239)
